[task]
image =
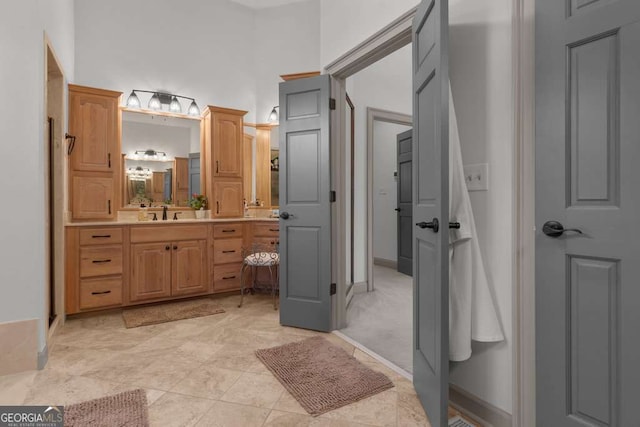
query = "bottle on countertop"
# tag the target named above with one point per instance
(142, 213)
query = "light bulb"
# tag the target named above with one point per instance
(193, 109)
(175, 106)
(133, 101)
(273, 117)
(154, 102)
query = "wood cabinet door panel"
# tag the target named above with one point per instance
(227, 251)
(150, 271)
(181, 182)
(189, 267)
(92, 197)
(228, 199)
(227, 277)
(100, 260)
(93, 120)
(227, 145)
(100, 292)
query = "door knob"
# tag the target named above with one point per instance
(397, 209)
(555, 229)
(285, 215)
(434, 225)
(454, 225)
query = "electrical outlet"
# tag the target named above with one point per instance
(477, 177)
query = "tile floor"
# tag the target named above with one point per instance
(197, 372)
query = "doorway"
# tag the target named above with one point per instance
(54, 177)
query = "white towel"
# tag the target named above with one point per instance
(472, 313)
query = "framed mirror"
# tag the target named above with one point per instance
(161, 159)
(262, 154)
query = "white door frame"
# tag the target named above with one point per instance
(373, 115)
(386, 41)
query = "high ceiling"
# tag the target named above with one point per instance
(264, 4)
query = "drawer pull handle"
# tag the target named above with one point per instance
(100, 293)
(228, 252)
(228, 277)
(100, 261)
(101, 236)
(228, 231)
(274, 229)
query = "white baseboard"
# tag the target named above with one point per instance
(386, 263)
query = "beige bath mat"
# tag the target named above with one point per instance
(322, 376)
(128, 409)
(151, 315)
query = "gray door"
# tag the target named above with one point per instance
(405, 204)
(431, 208)
(587, 177)
(305, 214)
(194, 174)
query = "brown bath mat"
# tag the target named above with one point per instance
(151, 315)
(322, 376)
(128, 409)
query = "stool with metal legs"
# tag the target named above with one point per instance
(260, 255)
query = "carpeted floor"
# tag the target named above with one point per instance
(382, 320)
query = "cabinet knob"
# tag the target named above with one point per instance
(166, 248)
(175, 247)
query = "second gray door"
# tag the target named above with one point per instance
(587, 212)
(405, 203)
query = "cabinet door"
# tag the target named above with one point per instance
(189, 267)
(181, 181)
(150, 271)
(157, 186)
(227, 145)
(92, 196)
(227, 199)
(93, 120)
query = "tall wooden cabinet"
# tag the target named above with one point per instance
(223, 151)
(95, 164)
(181, 182)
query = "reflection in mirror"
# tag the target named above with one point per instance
(275, 167)
(161, 159)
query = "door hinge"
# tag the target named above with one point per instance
(332, 290)
(332, 103)
(332, 196)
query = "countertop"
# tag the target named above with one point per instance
(168, 222)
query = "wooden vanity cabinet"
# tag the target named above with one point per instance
(95, 164)
(95, 266)
(168, 261)
(223, 158)
(227, 243)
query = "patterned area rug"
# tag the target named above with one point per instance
(128, 409)
(151, 315)
(322, 376)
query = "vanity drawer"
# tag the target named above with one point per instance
(167, 233)
(100, 261)
(96, 293)
(266, 230)
(227, 250)
(100, 236)
(227, 277)
(227, 230)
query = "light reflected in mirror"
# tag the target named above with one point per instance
(161, 158)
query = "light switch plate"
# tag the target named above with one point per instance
(477, 177)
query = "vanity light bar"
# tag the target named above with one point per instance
(149, 155)
(159, 98)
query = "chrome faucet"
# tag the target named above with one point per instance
(164, 212)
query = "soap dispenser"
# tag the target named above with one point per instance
(142, 213)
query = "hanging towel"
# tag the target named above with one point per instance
(472, 313)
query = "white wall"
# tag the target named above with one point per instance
(344, 24)
(199, 49)
(287, 40)
(23, 24)
(385, 189)
(481, 80)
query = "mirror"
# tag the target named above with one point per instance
(275, 168)
(161, 156)
(262, 158)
